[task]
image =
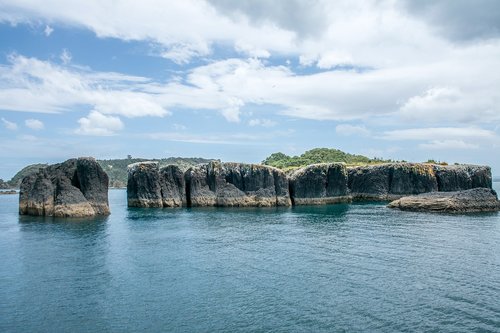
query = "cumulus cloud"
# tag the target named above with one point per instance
(9, 124)
(34, 124)
(99, 125)
(32, 85)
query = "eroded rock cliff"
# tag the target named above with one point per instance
(319, 184)
(75, 188)
(236, 184)
(150, 186)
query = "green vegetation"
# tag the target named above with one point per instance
(18, 177)
(318, 155)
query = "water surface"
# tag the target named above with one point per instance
(359, 267)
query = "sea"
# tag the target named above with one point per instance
(341, 268)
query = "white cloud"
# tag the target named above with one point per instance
(32, 85)
(99, 125)
(262, 122)
(440, 134)
(34, 124)
(346, 129)
(48, 30)
(9, 124)
(447, 144)
(66, 57)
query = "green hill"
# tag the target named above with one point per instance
(318, 155)
(115, 168)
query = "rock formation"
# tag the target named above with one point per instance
(75, 188)
(235, 184)
(393, 180)
(462, 177)
(318, 184)
(150, 186)
(473, 200)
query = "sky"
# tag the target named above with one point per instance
(238, 80)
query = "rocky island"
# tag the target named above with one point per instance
(79, 187)
(75, 188)
(238, 184)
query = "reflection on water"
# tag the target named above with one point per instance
(358, 267)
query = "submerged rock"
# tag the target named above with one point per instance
(473, 200)
(75, 188)
(319, 184)
(150, 186)
(236, 184)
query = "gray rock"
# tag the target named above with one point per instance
(462, 177)
(370, 182)
(236, 184)
(473, 200)
(319, 184)
(75, 188)
(150, 186)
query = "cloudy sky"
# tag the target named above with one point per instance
(238, 80)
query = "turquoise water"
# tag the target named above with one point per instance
(359, 267)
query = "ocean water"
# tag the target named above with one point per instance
(358, 267)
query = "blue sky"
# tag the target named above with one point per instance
(239, 80)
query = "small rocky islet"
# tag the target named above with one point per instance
(79, 187)
(75, 188)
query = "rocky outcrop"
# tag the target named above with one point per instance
(236, 184)
(75, 188)
(389, 181)
(318, 184)
(393, 180)
(150, 186)
(462, 177)
(473, 200)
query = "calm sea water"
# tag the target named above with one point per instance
(359, 267)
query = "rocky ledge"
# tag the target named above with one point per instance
(75, 188)
(473, 200)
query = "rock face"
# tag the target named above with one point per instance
(319, 184)
(391, 181)
(75, 188)
(386, 181)
(236, 184)
(150, 186)
(473, 200)
(462, 177)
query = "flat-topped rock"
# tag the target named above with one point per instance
(391, 181)
(150, 186)
(75, 188)
(236, 185)
(473, 200)
(319, 184)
